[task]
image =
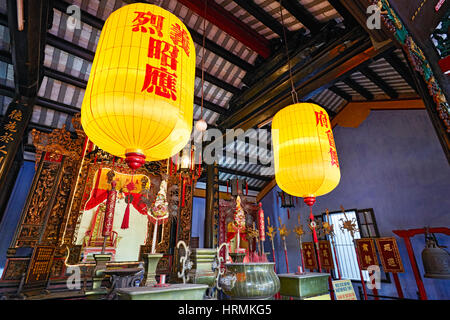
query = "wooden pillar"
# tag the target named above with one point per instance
(398, 285)
(211, 190)
(12, 130)
(412, 260)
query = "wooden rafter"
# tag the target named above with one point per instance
(230, 24)
(302, 15)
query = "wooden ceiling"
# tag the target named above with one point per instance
(333, 59)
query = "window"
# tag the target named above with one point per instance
(345, 249)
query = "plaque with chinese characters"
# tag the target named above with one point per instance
(367, 253)
(309, 257)
(389, 255)
(325, 255)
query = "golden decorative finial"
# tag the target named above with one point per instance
(298, 230)
(349, 225)
(327, 228)
(270, 230)
(252, 232)
(283, 230)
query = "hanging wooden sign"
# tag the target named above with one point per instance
(325, 255)
(309, 256)
(367, 253)
(389, 255)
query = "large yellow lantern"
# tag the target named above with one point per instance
(139, 98)
(306, 163)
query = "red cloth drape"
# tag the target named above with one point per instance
(101, 196)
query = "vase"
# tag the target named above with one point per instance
(151, 262)
(247, 281)
(237, 257)
(202, 269)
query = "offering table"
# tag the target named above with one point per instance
(306, 286)
(170, 292)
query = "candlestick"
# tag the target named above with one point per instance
(155, 230)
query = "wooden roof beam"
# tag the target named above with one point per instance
(227, 22)
(376, 79)
(302, 15)
(401, 69)
(98, 23)
(358, 88)
(259, 13)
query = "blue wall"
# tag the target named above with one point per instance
(393, 163)
(14, 209)
(198, 220)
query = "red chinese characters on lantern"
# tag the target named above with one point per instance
(160, 81)
(180, 37)
(321, 119)
(148, 22)
(163, 51)
(331, 139)
(334, 158)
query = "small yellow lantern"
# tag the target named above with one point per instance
(140, 95)
(306, 163)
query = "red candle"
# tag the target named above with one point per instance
(184, 189)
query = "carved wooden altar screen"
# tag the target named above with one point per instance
(65, 168)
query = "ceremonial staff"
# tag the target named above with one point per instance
(329, 230)
(312, 226)
(350, 226)
(283, 234)
(271, 233)
(299, 233)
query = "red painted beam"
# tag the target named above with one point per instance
(226, 21)
(445, 65)
(413, 232)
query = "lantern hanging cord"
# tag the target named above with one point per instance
(203, 55)
(293, 92)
